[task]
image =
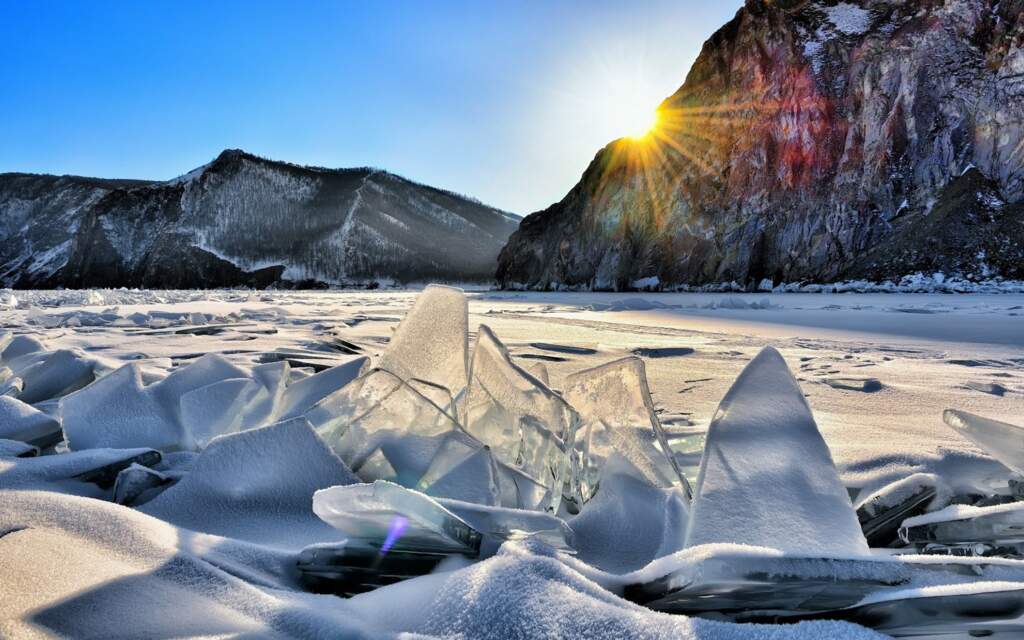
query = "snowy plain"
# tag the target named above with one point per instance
(877, 370)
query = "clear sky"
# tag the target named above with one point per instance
(506, 102)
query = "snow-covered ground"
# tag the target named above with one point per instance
(877, 370)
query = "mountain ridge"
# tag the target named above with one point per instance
(243, 220)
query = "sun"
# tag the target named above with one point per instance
(640, 123)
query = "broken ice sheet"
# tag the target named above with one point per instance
(20, 421)
(766, 477)
(527, 426)
(430, 343)
(617, 416)
(56, 374)
(499, 524)
(1001, 440)
(384, 511)
(218, 408)
(134, 481)
(255, 485)
(968, 530)
(883, 511)
(741, 584)
(379, 424)
(17, 449)
(119, 411)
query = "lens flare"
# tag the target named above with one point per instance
(395, 530)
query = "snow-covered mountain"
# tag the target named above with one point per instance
(812, 140)
(242, 220)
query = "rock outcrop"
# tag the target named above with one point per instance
(811, 141)
(242, 221)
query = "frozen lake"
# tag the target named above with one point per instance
(878, 370)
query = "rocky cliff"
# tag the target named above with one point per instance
(242, 220)
(811, 141)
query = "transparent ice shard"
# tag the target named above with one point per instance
(462, 469)
(972, 531)
(383, 510)
(766, 477)
(430, 343)
(217, 409)
(377, 467)
(953, 612)
(617, 416)
(499, 524)
(273, 377)
(1002, 440)
(437, 394)
(394, 533)
(527, 426)
(379, 413)
(303, 394)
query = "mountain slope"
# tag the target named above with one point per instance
(242, 220)
(813, 141)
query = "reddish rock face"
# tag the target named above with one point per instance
(811, 141)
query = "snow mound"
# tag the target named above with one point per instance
(120, 573)
(629, 522)
(486, 600)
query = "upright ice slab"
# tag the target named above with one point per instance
(527, 426)
(766, 477)
(430, 344)
(1002, 440)
(617, 416)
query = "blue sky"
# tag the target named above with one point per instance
(505, 102)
